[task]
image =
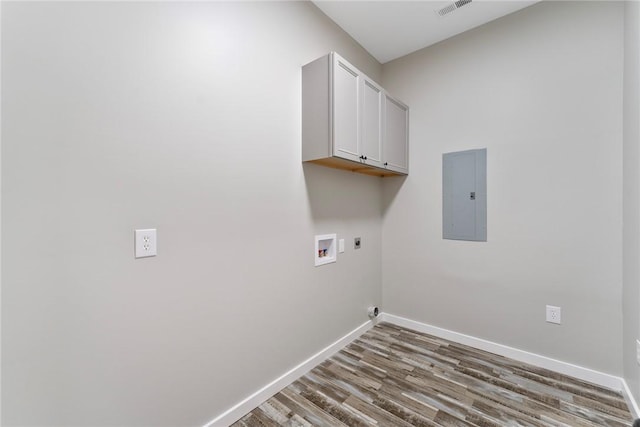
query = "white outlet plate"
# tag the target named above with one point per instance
(554, 314)
(638, 351)
(341, 246)
(146, 243)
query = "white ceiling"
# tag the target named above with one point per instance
(391, 29)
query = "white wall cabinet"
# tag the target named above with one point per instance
(350, 122)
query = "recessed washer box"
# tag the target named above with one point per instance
(325, 252)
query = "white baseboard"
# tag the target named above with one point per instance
(256, 399)
(586, 374)
(631, 401)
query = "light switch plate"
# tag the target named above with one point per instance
(341, 245)
(146, 243)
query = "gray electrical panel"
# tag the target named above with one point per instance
(464, 195)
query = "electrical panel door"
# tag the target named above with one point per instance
(464, 195)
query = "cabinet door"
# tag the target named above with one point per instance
(395, 135)
(372, 123)
(346, 129)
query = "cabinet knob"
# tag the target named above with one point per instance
(365, 157)
(385, 163)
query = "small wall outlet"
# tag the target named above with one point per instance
(638, 351)
(356, 243)
(145, 243)
(554, 314)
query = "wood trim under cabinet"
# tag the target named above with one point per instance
(338, 163)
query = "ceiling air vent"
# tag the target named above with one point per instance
(452, 7)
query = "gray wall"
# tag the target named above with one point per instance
(541, 89)
(631, 187)
(184, 117)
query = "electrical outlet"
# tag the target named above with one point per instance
(356, 243)
(554, 314)
(145, 243)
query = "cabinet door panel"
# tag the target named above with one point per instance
(396, 143)
(372, 123)
(346, 138)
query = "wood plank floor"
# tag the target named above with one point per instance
(393, 376)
